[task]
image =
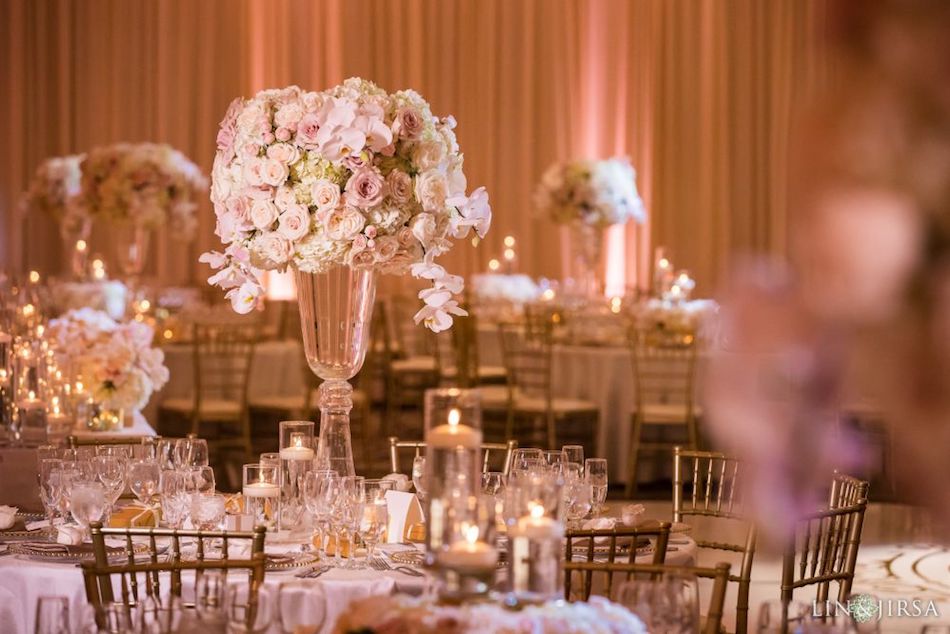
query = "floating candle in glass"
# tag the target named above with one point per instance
(31, 413)
(261, 493)
(296, 458)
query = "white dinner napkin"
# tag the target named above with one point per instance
(7, 517)
(599, 524)
(401, 481)
(69, 535)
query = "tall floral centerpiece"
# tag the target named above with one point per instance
(141, 187)
(115, 362)
(339, 185)
(55, 189)
(590, 196)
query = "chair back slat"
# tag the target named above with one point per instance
(418, 447)
(223, 353)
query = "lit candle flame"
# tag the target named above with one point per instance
(454, 416)
(536, 509)
(81, 246)
(32, 396)
(34, 277)
(471, 533)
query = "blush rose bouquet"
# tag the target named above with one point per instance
(595, 193)
(350, 176)
(55, 189)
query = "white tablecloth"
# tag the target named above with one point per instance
(23, 582)
(139, 427)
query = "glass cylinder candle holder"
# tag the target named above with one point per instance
(31, 416)
(262, 493)
(535, 539)
(468, 564)
(453, 439)
(296, 459)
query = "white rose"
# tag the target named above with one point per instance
(431, 190)
(294, 223)
(345, 223)
(254, 172)
(288, 115)
(274, 172)
(423, 228)
(325, 195)
(273, 248)
(428, 154)
(284, 152)
(263, 214)
(285, 197)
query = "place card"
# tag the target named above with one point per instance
(404, 511)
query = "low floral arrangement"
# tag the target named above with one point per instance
(595, 193)
(350, 176)
(116, 361)
(147, 184)
(55, 189)
(397, 613)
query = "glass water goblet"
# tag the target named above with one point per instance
(52, 615)
(578, 495)
(87, 503)
(210, 588)
(375, 519)
(50, 491)
(111, 472)
(554, 459)
(595, 470)
(191, 452)
(574, 454)
(299, 609)
(202, 480)
(354, 493)
(174, 497)
(318, 489)
(249, 610)
(143, 479)
(525, 460)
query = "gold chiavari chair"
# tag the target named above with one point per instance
(552, 421)
(489, 452)
(846, 490)
(664, 391)
(719, 574)
(223, 352)
(406, 371)
(456, 356)
(604, 546)
(823, 548)
(713, 484)
(99, 572)
(74, 442)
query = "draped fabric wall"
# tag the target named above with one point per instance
(699, 93)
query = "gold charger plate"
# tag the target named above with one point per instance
(416, 558)
(276, 563)
(60, 553)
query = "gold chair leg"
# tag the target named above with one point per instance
(634, 455)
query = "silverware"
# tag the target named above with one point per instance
(313, 573)
(379, 563)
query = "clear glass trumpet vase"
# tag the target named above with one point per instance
(336, 308)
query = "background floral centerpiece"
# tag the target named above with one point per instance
(55, 189)
(351, 176)
(148, 185)
(397, 613)
(116, 361)
(595, 193)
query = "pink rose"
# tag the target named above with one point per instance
(345, 223)
(268, 137)
(307, 130)
(274, 172)
(400, 186)
(370, 232)
(285, 197)
(250, 150)
(262, 192)
(363, 259)
(408, 123)
(386, 248)
(263, 214)
(283, 134)
(325, 194)
(284, 152)
(365, 188)
(238, 207)
(405, 237)
(358, 245)
(273, 247)
(254, 172)
(294, 223)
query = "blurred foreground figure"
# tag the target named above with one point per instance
(863, 320)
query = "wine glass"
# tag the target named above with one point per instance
(191, 452)
(52, 615)
(111, 471)
(596, 472)
(117, 618)
(525, 460)
(553, 460)
(578, 494)
(87, 503)
(165, 453)
(143, 479)
(574, 454)
(375, 519)
(248, 609)
(295, 617)
(318, 488)
(419, 475)
(207, 511)
(209, 597)
(202, 480)
(354, 497)
(50, 491)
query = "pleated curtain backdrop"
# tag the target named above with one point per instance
(699, 93)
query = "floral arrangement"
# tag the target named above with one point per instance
(55, 189)
(595, 193)
(148, 184)
(350, 176)
(397, 613)
(116, 361)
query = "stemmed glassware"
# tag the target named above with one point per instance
(526, 459)
(210, 597)
(596, 473)
(668, 604)
(51, 491)
(554, 459)
(348, 512)
(87, 503)
(319, 489)
(111, 472)
(574, 454)
(175, 500)
(578, 496)
(248, 610)
(52, 615)
(375, 514)
(191, 452)
(201, 480)
(419, 476)
(144, 476)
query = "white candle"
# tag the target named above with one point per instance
(537, 526)
(261, 490)
(297, 449)
(472, 555)
(453, 435)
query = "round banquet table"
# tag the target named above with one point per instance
(23, 581)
